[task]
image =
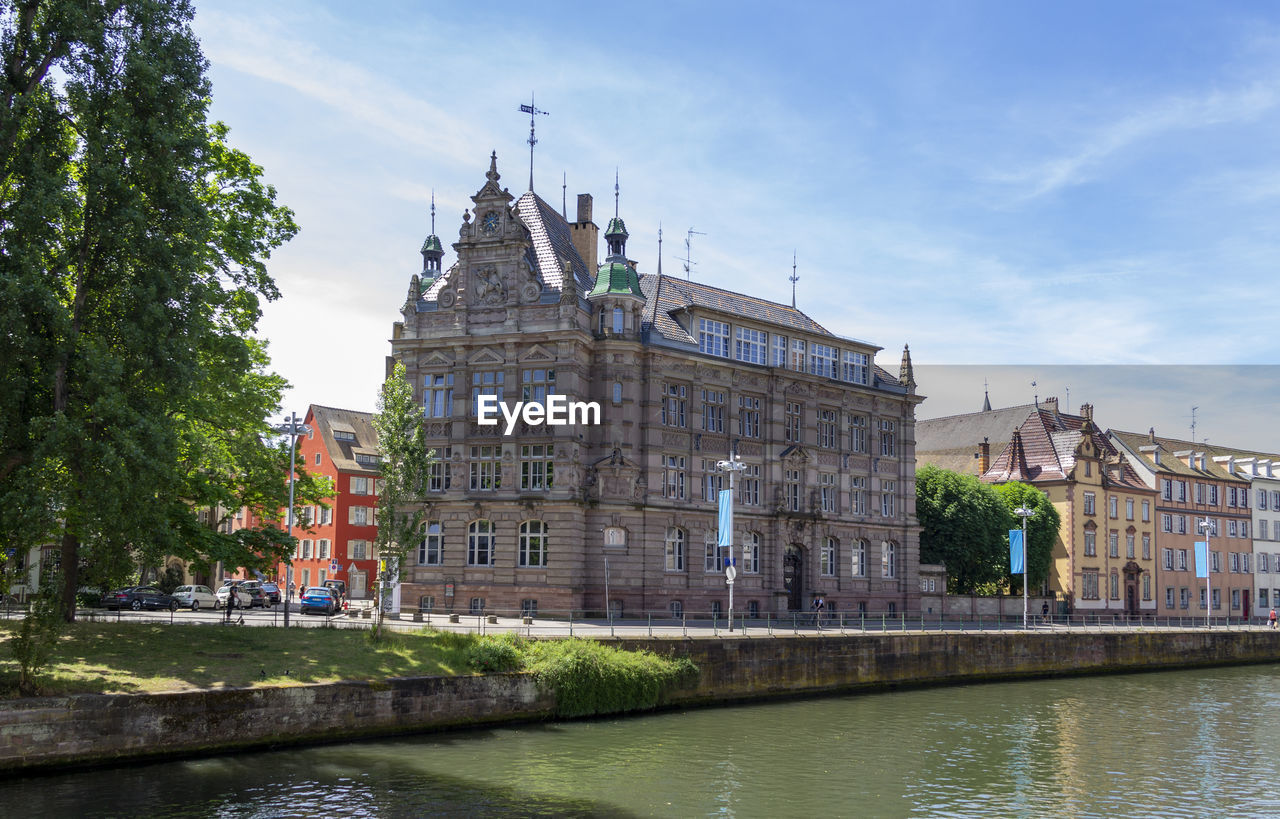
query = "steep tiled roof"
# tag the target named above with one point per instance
(1048, 441)
(1170, 463)
(552, 244)
(326, 420)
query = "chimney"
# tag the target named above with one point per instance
(1151, 435)
(1051, 404)
(984, 457)
(585, 234)
(1086, 411)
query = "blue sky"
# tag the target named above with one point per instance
(994, 183)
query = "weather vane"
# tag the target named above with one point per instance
(531, 110)
(794, 279)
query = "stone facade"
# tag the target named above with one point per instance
(621, 515)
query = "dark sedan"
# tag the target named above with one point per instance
(272, 591)
(139, 598)
(319, 599)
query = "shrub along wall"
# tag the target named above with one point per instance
(85, 729)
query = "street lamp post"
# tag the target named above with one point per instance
(733, 466)
(1024, 512)
(1205, 526)
(293, 428)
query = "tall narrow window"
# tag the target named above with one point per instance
(617, 320)
(749, 345)
(486, 468)
(858, 433)
(437, 396)
(828, 557)
(536, 471)
(751, 553)
(888, 438)
(889, 559)
(828, 435)
(713, 410)
(480, 543)
(486, 382)
(533, 544)
(858, 559)
(856, 367)
(674, 404)
(797, 354)
(431, 547)
(537, 384)
(713, 337)
(675, 549)
(793, 429)
(748, 416)
(780, 347)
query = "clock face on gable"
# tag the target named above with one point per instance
(489, 224)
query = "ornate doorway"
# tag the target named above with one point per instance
(1132, 571)
(793, 577)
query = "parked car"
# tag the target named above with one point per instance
(238, 599)
(257, 597)
(338, 587)
(139, 598)
(272, 591)
(193, 597)
(319, 598)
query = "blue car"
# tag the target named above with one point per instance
(319, 599)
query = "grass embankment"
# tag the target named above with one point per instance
(587, 677)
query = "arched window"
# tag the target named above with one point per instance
(617, 392)
(751, 553)
(675, 549)
(889, 559)
(533, 543)
(480, 543)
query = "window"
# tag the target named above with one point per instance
(480, 543)
(306, 550)
(753, 609)
(887, 488)
(360, 516)
(673, 404)
(358, 549)
(326, 516)
(1115, 585)
(322, 549)
(858, 559)
(677, 609)
(713, 337)
(617, 328)
(1166, 522)
(675, 551)
(1231, 528)
(487, 382)
(529, 606)
(1128, 546)
(1216, 561)
(1113, 544)
(749, 486)
(1166, 489)
(1146, 511)
(827, 429)
(1234, 562)
(712, 481)
(888, 443)
(1088, 503)
(796, 361)
(317, 459)
(792, 430)
(792, 489)
(1264, 562)
(1182, 560)
(822, 360)
(1244, 528)
(1213, 494)
(713, 411)
(537, 384)
(827, 487)
(477, 605)
(856, 367)
(1217, 599)
(1089, 584)
(673, 476)
(1262, 598)
(1231, 496)
(368, 459)
(438, 472)
(1146, 546)
(1128, 508)
(858, 496)
(888, 559)
(857, 433)
(748, 416)
(617, 392)
(827, 557)
(1168, 559)
(1168, 597)
(1262, 529)
(486, 469)
(1090, 543)
(437, 395)
(1184, 598)
(536, 470)
(779, 351)
(533, 544)
(1181, 520)
(1113, 504)
(711, 560)
(1199, 492)
(1275, 504)
(361, 486)
(431, 547)
(1146, 587)
(750, 345)
(426, 602)
(750, 553)
(1244, 562)
(1182, 491)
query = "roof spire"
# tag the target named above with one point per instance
(986, 396)
(432, 251)
(433, 211)
(906, 373)
(615, 192)
(531, 110)
(794, 279)
(564, 196)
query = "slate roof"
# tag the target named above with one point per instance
(1171, 464)
(678, 294)
(951, 442)
(325, 420)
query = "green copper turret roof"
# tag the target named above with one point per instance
(616, 228)
(617, 279)
(432, 244)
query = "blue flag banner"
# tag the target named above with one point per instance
(726, 518)
(1015, 551)
(1202, 559)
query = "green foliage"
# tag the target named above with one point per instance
(1042, 530)
(33, 645)
(964, 525)
(592, 678)
(491, 653)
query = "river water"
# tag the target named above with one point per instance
(1185, 743)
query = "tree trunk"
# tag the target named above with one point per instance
(70, 560)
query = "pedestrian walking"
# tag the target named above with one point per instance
(1272, 618)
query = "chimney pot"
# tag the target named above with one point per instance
(584, 207)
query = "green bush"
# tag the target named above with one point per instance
(591, 678)
(496, 653)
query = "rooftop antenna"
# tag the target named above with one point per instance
(1193, 424)
(794, 279)
(688, 251)
(564, 195)
(531, 110)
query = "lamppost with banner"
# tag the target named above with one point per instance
(725, 534)
(1024, 512)
(293, 427)
(1206, 526)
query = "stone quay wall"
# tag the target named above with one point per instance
(86, 729)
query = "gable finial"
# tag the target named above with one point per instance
(794, 279)
(433, 211)
(531, 110)
(615, 191)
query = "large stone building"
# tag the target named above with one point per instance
(619, 512)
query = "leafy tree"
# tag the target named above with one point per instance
(401, 493)
(1042, 530)
(131, 392)
(964, 525)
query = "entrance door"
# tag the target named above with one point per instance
(1131, 599)
(357, 585)
(793, 577)
(1246, 611)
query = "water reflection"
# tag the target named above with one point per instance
(1192, 743)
